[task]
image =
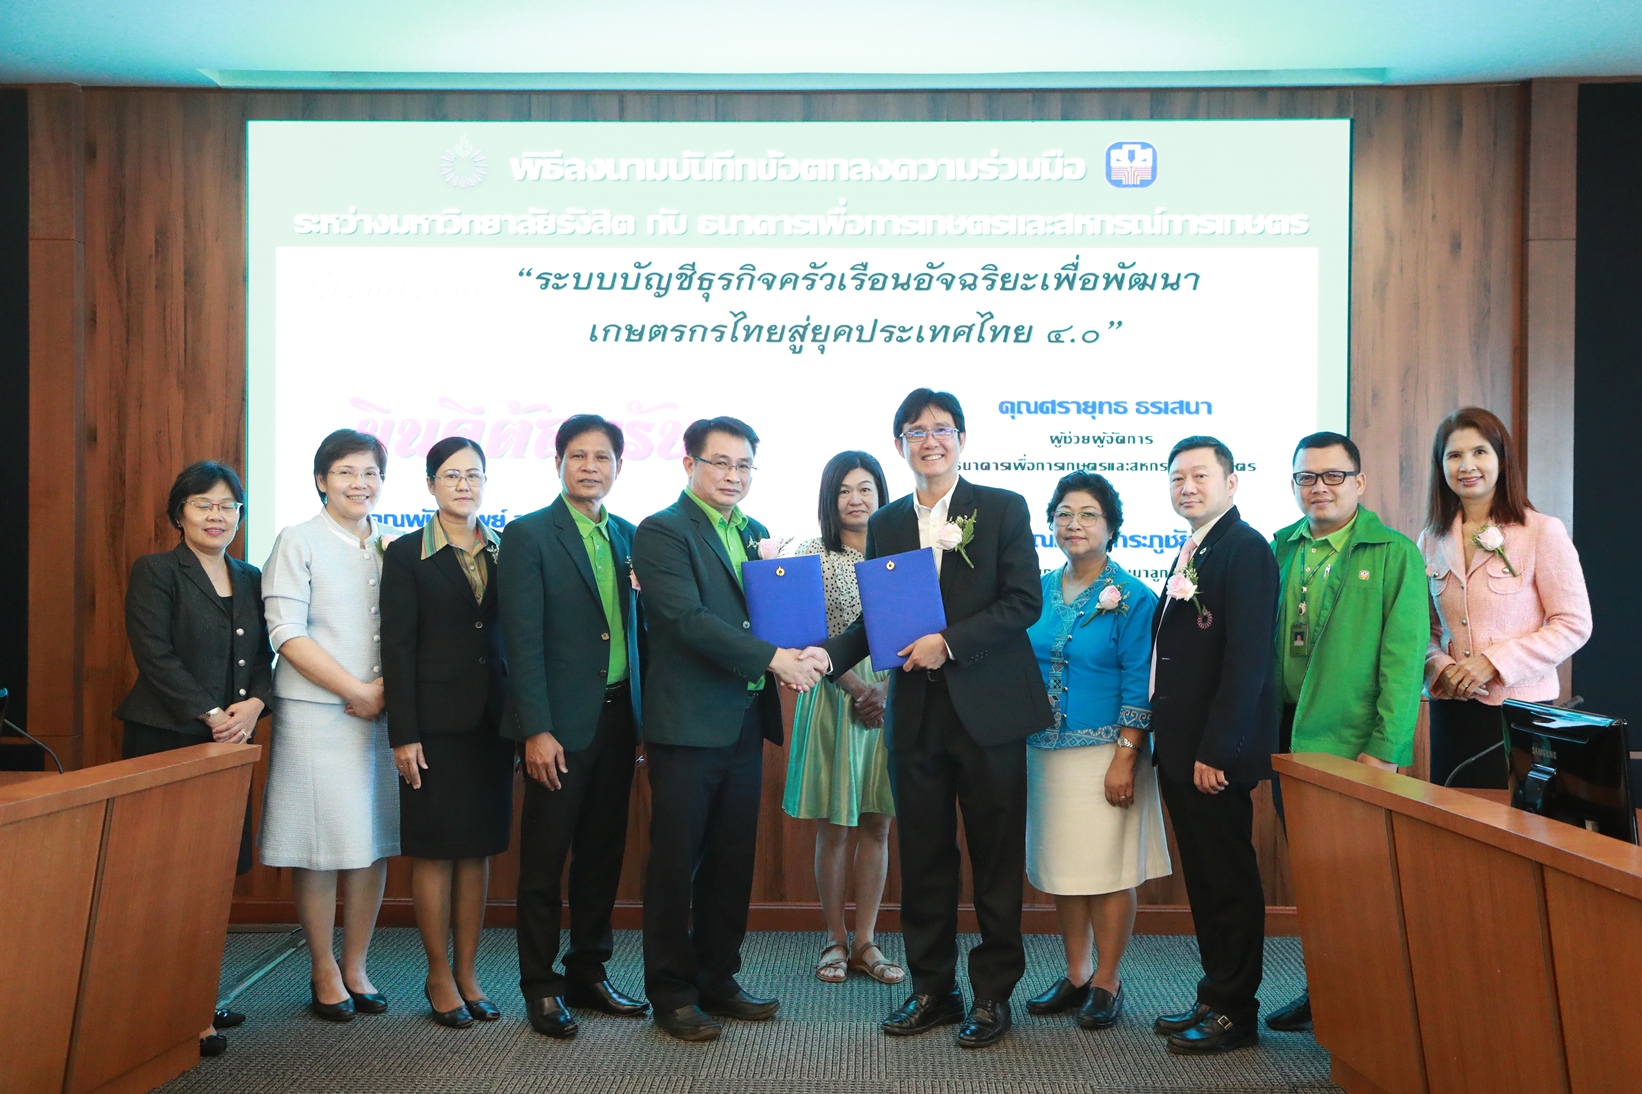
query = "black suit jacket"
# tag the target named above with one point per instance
(702, 650)
(183, 640)
(1216, 700)
(993, 676)
(443, 669)
(558, 640)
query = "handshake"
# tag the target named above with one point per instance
(800, 669)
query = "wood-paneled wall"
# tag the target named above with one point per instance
(1436, 276)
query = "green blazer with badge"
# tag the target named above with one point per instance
(1367, 639)
(702, 652)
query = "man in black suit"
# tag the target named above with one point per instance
(1214, 728)
(710, 690)
(960, 712)
(573, 640)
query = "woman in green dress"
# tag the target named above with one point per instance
(837, 765)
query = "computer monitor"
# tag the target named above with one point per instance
(1571, 766)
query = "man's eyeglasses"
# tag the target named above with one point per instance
(457, 478)
(724, 467)
(1330, 478)
(227, 508)
(940, 433)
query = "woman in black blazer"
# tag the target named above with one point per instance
(444, 676)
(193, 615)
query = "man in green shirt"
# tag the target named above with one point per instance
(1352, 629)
(571, 623)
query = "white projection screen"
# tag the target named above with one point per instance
(1091, 291)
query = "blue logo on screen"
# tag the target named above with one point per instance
(1131, 164)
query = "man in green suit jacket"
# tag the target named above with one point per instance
(710, 704)
(1353, 625)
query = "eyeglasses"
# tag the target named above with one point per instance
(1331, 478)
(1064, 518)
(940, 433)
(457, 478)
(724, 467)
(228, 508)
(348, 474)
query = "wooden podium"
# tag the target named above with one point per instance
(1455, 944)
(115, 883)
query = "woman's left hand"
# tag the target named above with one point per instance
(1120, 778)
(411, 763)
(1468, 677)
(240, 723)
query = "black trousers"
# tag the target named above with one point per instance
(942, 770)
(585, 819)
(1460, 729)
(1215, 835)
(699, 880)
(1285, 743)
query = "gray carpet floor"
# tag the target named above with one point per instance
(825, 1040)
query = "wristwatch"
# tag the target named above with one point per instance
(212, 713)
(1124, 742)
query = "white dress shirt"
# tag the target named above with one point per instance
(931, 519)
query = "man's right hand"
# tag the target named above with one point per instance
(794, 670)
(544, 760)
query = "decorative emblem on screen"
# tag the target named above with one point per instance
(1131, 164)
(464, 165)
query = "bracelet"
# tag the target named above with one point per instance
(1124, 742)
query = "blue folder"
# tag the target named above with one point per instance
(900, 603)
(786, 603)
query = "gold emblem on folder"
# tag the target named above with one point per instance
(889, 565)
(780, 571)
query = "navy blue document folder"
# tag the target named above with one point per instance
(785, 600)
(900, 603)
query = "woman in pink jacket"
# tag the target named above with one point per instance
(1508, 597)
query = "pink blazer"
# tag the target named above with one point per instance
(1527, 625)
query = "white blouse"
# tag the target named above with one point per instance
(320, 583)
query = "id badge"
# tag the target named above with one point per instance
(1299, 636)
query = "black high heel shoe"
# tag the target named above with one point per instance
(451, 1019)
(482, 1009)
(367, 1002)
(331, 1012)
(214, 1045)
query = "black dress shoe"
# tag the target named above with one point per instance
(604, 996)
(688, 1024)
(550, 1016)
(1213, 1035)
(459, 1018)
(921, 1013)
(331, 1012)
(1060, 996)
(227, 1019)
(1102, 1009)
(1166, 1024)
(987, 1021)
(1293, 1018)
(748, 1008)
(214, 1045)
(483, 1010)
(367, 1002)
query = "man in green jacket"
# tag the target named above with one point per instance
(1353, 625)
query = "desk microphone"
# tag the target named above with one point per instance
(6, 723)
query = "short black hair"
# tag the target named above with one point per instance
(577, 424)
(197, 478)
(832, 481)
(346, 442)
(915, 403)
(695, 434)
(1327, 439)
(1221, 452)
(444, 449)
(1105, 496)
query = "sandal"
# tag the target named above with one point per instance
(833, 970)
(885, 972)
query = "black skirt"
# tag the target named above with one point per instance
(464, 808)
(1467, 744)
(141, 740)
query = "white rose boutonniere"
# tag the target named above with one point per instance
(382, 541)
(1492, 540)
(1110, 599)
(772, 548)
(955, 535)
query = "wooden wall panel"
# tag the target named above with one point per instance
(1436, 242)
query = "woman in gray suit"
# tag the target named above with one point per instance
(331, 808)
(194, 619)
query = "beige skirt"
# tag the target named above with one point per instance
(1077, 844)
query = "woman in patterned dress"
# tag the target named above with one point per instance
(837, 763)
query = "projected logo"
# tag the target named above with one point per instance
(464, 165)
(1131, 164)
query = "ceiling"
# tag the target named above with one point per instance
(729, 44)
